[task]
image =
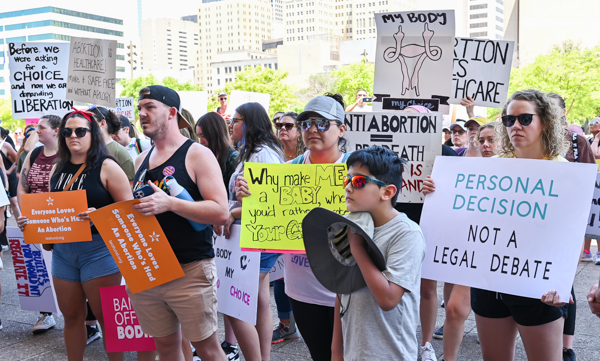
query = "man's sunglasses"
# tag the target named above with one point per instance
(321, 123)
(223, 98)
(287, 126)
(594, 122)
(79, 132)
(360, 181)
(524, 119)
(460, 131)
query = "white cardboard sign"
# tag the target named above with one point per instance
(237, 272)
(92, 71)
(278, 270)
(514, 226)
(196, 102)
(38, 79)
(239, 97)
(482, 71)
(593, 227)
(32, 270)
(125, 107)
(413, 136)
(413, 61)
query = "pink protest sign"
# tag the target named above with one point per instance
(122, 329)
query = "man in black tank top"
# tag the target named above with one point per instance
(190, 301)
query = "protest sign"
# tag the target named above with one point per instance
(413, 60)
(195, 102)
(38, 79)
(125, 107)
(507, 225)
(278, 270)
(122, 329)
(282, 194)
(482, 71)
(237, 273)
(52, 217)
(239, 97)
(593, 227)
(413, 136)
(138, 245)
(92, 71)
(32, 270)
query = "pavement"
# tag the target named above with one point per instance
(18, 343)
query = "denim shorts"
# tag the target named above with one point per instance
(82, 261)
(267, 260)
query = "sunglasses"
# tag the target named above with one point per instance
(276, 119)
(594, 122)
(359, 181)
(79, 132)
(222, 99)
(460, 131)
(524, 119)
(321, 123)
(287, 126)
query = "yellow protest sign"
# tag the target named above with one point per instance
(282, 194)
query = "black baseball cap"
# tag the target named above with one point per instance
(168, 97)
(124, 121)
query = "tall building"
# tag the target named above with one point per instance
(56, 24)
(169, 44)
(486, 19)
(230, 62)
(537, 29)
(306, 21)
(230, 25)
(277, 6)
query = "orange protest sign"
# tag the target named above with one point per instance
(52, 217)
(138, 245)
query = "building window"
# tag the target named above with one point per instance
(478, 7)
(481, 33)
(61, 24)
(498, 27)
(121, 68)
(500, 2)
(499, 10)
(2, 92)
(55, 37)
(478, 16)
(18, 39)
(499, 19)
(478, 25)
(50, 9)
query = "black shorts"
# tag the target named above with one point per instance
(13, 182)
(525, 311)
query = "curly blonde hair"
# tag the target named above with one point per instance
(553, 133)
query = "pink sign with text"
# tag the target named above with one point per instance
(122, 329)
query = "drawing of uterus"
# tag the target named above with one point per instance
(400, 53)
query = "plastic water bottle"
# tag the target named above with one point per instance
(176, 190)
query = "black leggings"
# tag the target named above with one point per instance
(569, 328)
(316, 326)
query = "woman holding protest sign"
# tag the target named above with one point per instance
(322, 125)
(252, 128)
(532, 130)
(35, 176)
(80, 269)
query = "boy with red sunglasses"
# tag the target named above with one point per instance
(381, 320)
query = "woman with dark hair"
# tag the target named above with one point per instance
(213, 134)
(313, 306)
(252, 127)
(110, 124)
(22, 153)
(35, 177)
(289, 135)
(80, 269)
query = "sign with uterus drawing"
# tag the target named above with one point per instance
(413, 61)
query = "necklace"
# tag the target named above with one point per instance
(289, 156)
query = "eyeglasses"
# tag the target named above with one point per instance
(234, 121)
(524, 119)
(321, 123)
(460, 131)
(79, 132)
(359, 181)
(287, 126)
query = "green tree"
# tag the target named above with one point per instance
(7, 117)
(350, 78)
(261, 80)
(568, 70)
(318, 84)
(131, 87)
